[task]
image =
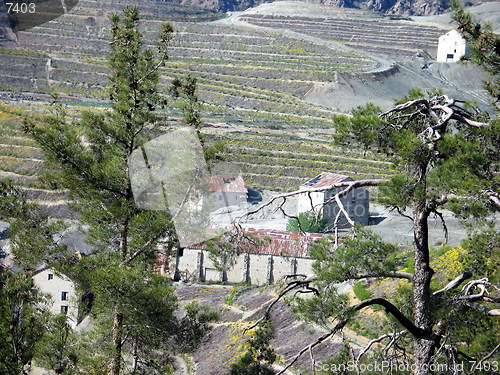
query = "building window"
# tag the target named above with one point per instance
(64, 296)
(50, 276)
(449, 56)
(64, 309)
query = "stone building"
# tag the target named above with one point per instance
(356, 202)
(226, 190)
(281, 253)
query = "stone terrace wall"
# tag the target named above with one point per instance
(253, 268)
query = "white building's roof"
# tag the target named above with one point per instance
(452, 34)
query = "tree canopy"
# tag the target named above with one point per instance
(136, 323)
(448, 158)
(308, 222)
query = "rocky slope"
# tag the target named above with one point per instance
(401, 7)
(7, 36)
(397, 7)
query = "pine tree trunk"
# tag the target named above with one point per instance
(421, 283)
(117, 316)
(117, 342)
(124, 241)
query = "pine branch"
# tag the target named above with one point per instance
(389, 307)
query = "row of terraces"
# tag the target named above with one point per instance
(258, 74)
(393, 38)
(275, 162)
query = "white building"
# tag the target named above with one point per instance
(356, 202)
(62, 292)
(451, 47)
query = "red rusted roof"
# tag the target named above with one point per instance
(283, 242)
(227, 183)
(325, 179)
(273, 242)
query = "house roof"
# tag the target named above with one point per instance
(452, 33)
(283, 243)
(325, 179)
(227, 184)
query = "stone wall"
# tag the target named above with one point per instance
(356, 203)
(253, 268)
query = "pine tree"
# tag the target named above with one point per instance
(447, 153)
(90, 158)
(23, 315)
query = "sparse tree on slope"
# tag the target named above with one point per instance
(90, 159)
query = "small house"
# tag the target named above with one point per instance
(356, 202)
(226, 190)
(61, 291)
(451, 47)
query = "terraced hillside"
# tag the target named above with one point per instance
(252, 84)
(269, 160)
(284, 163)
(22, 161)
(393, 38)
(236, 68)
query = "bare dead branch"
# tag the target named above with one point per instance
(454, 283)
(494, 198)
(295, 275)
(471, 284)
(293, 217)
(398, 210)
(374, 341)
(463, 354)
(393, 341)
(313, 361)
(443, 222)
(342, 209)
(440, 110)
(389, 307)
(393, 275)
(404, 106)
(483, 294)
(146, 246)
(488, 356)
(309, 347)
(295, 284)
(437, 202)
(480, 297)
(468, 121)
